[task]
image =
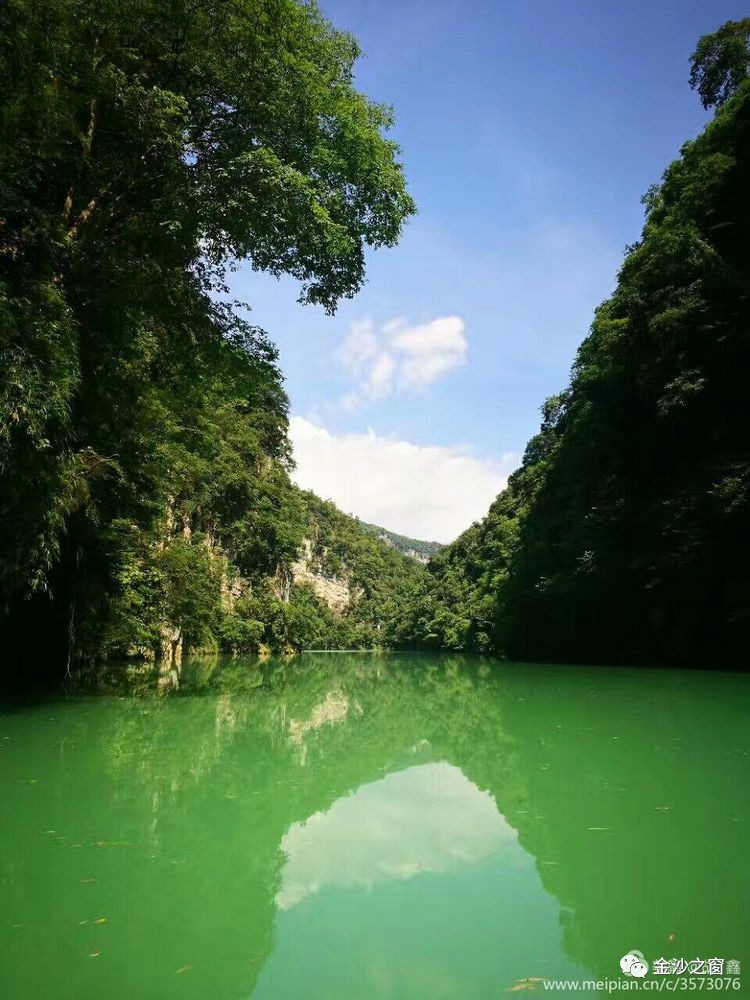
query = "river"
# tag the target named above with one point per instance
(370, 825)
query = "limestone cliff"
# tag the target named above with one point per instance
(335, 591)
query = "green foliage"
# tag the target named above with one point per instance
(239, 633)
(167, 593)
(379, 578)
(311, 623)
(191, 591)
(721, 62)
(190, 581)
(624, 533)
(145, 148)
(414, 547)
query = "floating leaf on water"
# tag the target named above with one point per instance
(529, 983)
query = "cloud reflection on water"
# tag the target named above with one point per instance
(428, 818)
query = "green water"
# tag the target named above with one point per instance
(371, 826)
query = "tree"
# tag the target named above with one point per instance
(145, 148)
(623, 535)
(721, 62)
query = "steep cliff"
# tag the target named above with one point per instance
(623, 536)
(333, 591)
(130, 387)
(360, 580)
(308, 576)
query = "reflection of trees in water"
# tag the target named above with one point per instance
(606, 788)
(270, 744)
(636, 816)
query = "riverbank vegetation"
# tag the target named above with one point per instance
(144, 460)
(624, 533)
(146, 505)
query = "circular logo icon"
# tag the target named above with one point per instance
(634, 964)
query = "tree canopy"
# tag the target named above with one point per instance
(145, 148)
(623, 535)
(721, 62)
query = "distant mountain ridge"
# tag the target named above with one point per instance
(414, 547)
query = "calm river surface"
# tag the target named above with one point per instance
(363, 825)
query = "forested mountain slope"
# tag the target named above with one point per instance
(144, 149)
(306, 576)
(414, 547)
(348, 587)
(624, 535)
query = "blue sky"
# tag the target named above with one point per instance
(529, 132)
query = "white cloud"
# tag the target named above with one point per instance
(431, 350)
(360, 347)
(400, 356)
(429, 492)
